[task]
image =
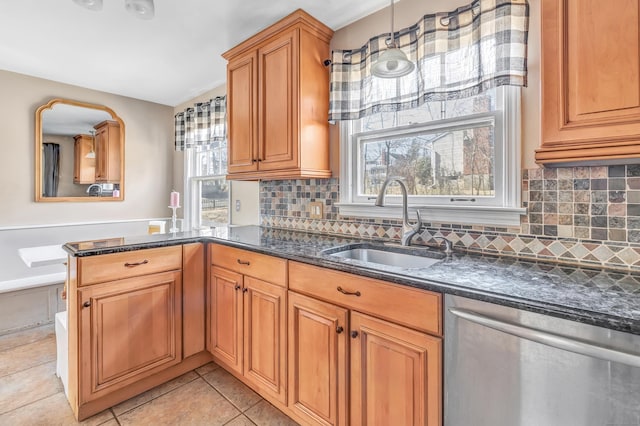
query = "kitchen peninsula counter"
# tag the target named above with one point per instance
(593, 296)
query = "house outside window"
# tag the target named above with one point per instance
(460, 160)
(206, 187)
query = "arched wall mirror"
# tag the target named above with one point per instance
(79, 152)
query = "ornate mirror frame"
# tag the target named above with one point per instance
(38, 153)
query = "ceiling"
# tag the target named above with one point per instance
(168, 60)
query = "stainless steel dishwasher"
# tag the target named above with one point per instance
(509, 367)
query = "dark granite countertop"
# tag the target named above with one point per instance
(592, 296)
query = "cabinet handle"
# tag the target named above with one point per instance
(131, 265)
(244, 290)
(237, 287)
(86, 304)
(348, 293)
(243, 262)
(354, 334)
(339, 329)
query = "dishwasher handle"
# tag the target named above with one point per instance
(582, 347)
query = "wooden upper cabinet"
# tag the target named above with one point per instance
(278, 101)
(108, 152)
(242, 113)
(84, 169)
(590, 81)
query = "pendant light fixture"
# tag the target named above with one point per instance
(92, 153)
(392, 63)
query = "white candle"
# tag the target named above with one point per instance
(174, 199)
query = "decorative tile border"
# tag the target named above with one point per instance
(579, 215)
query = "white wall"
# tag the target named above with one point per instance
(148, 155)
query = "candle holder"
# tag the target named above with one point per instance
(174, 226)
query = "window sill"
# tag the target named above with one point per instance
(467, 215)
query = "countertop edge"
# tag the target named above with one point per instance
(623, 324)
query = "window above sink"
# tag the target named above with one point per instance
(460, 160)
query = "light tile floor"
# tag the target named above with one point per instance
(31, 394)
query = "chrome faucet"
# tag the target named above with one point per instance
(408, 230)
(97, 192)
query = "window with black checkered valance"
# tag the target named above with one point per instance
(457, 54)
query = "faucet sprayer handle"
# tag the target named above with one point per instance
(418, 226)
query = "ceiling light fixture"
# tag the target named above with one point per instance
(92, 153)
(392, 63)
(90, 4)
(142, 9)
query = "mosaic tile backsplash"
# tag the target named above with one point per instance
(579, 215)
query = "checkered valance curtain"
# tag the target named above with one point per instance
(457, 54)
(203, 125)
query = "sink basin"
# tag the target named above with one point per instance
(391, 256)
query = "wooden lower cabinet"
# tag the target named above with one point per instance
(395, 374)
(247, 329)
(363, 351)
(129, 329)
(225, 317)
(318, 338)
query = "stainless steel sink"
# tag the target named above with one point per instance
(388, 256)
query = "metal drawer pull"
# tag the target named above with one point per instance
(237, 287)
(131, 265)
(243, 262)
(86, 304)
(354, 334)
(339, 329)
(349, 293)
(579, 346)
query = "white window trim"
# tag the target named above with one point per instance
(192, 211)
(508, 214)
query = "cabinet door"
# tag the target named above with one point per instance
(590, 80)
(225, 317)
(102, 154)
(129, 329)
(317, 360)
(395, 374)
(84, 168)
(278, 83)
(265, 313)
(242, 110)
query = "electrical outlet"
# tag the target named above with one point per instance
(237, 205)
(315, 210)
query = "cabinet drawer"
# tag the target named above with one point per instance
(267, 268)
(115, 266)
(419, 309)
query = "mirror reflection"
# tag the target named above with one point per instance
(79, 150)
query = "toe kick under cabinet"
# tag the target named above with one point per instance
(126, 322)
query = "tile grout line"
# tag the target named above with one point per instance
(227, 399)
(29, 368)
(152, 399)
(31, 402)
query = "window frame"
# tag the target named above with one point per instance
(192, 205)
(506, 208)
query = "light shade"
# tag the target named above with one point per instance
(143, 9)
(90, 4)
(392, 63)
